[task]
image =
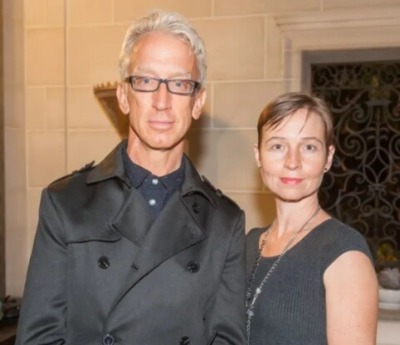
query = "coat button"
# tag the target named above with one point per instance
(193, 267)
(108, 339)
(196, 208)
(185, 341)
(103, 262)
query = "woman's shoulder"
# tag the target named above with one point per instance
(252, 238)
(255, 232)
(336, 238)
(334, 228)
(252, 248)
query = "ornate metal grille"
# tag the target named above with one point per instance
(363, 187)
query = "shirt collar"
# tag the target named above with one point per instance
(112, 167)
(137, 174)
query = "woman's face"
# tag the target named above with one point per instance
(293, 156)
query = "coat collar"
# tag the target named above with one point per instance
(112, 167)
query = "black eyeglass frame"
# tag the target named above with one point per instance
(195, 83)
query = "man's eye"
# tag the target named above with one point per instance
(181, 84)
(143, 80)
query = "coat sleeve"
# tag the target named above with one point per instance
(43, 310)
(228, 318)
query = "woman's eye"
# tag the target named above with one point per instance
(310, 147)
(277, 147)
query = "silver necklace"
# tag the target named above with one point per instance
(251, 300)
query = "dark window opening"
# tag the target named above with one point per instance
(363, 187)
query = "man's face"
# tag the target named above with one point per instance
(159, 120)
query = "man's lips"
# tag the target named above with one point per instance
(291, 180)
(160, 124)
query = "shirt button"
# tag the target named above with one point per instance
(152, 202)
(154, 181)
(108, 339)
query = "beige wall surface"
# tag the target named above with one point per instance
(56, 51)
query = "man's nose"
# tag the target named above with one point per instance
(162, 97)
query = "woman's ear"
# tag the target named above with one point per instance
(122, 96)
(329, 159)
(257, 155)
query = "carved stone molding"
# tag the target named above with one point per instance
(367, 18)
(353, 28)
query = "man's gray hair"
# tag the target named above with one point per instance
(169, 22)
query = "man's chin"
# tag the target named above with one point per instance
(165, 146)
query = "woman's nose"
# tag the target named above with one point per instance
(292, 159)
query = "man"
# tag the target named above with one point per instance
(139, 249)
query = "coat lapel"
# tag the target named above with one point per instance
(133, 220)
(172, 232)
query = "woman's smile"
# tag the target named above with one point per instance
(291, 180)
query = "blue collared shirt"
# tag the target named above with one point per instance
(156, 190)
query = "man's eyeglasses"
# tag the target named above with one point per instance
(176, 86)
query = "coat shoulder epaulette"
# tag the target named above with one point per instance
(86, 167)
(211, 186)
(217, 191)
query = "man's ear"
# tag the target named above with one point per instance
(122, 95)
(200, 99)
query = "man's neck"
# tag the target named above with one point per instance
(158, 162)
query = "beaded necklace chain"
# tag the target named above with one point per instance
(251, 300)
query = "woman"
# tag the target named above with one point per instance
(311, 277)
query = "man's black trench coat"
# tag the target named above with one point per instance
(101, 273)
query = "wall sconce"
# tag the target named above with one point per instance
(106, 95)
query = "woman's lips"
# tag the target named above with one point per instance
(291, 180)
